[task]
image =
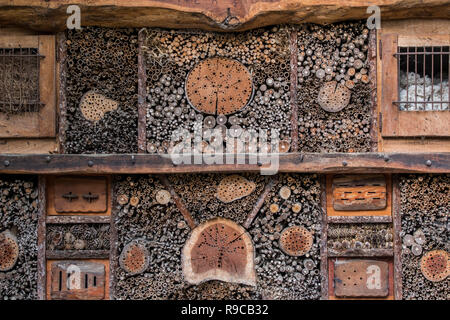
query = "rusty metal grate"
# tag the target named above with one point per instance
(423, 78)
(19, 80)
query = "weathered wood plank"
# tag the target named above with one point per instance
(359, 219)
(361, 253)
(208, 14)
(293, 48)
(41, 266)
(293, 162)
(142, 95)
(323, 241)
(77, 219)
(398, 285)
(77, 254)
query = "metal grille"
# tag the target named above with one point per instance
(423, 78)
(19, 80)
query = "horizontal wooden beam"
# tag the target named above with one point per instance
(77, 254)
(292, 162)
(44, 15)
(77, 219)
(361, 253)
(359, 219)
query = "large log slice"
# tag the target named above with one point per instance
(219, 249)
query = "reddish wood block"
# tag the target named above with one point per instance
(361, 278)
(80, 194)
(77, 280)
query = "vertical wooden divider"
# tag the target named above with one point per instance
(142, 93)
(61, 87)
(41, 263)
(397, 219)
(113, 255)
(373, 89)
(323, 239)
(293, 49)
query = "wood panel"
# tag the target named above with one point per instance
(52, 204)
(384, 212)
(293, 162)
(331, 292)
(101, 261)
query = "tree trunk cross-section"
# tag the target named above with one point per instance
(219, 250)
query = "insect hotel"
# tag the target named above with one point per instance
(334, 124)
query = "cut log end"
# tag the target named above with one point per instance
(219, 249)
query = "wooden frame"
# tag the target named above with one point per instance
(397, 123)
(331, 295)
(331, 212)
(40, 124)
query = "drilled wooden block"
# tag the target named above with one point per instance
(219, 250)
(234, 187)
(361, 278)
(77, 280)
(435, 265)
(9, 251)
(219, 86)
(80, 194)
(359, 192)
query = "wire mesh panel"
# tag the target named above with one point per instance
(423, 78)
(19, 80)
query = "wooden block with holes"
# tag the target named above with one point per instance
(80, 195)
(359, 195)
(360, 278)
(78, 280)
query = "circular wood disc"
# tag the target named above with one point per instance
(435, 265)
(333, 97)
(219, 86)
(134, 258)
(9, 251)
(219, 249)
(296, 241)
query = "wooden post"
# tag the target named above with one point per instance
(397, 240)
(293, 89)
(61, 76)
(41, 265)
(373, 89)
(323, 240)
(142, 94)
(113, 243)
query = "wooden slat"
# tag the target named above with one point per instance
(41, 245)
(142, 95)
(359, 219)
(389, 82)
(28, 146)
(294, 162)
(361, 253)
(47, 115)
(398, 269)
(423, 40)
(77, 219)
(77, 254)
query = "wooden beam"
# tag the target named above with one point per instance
(77, 254)
(41, 266)
(217, 15)
(398, 269)
(78, 219)
(361, 253)
(293, 162)
(259, 203)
